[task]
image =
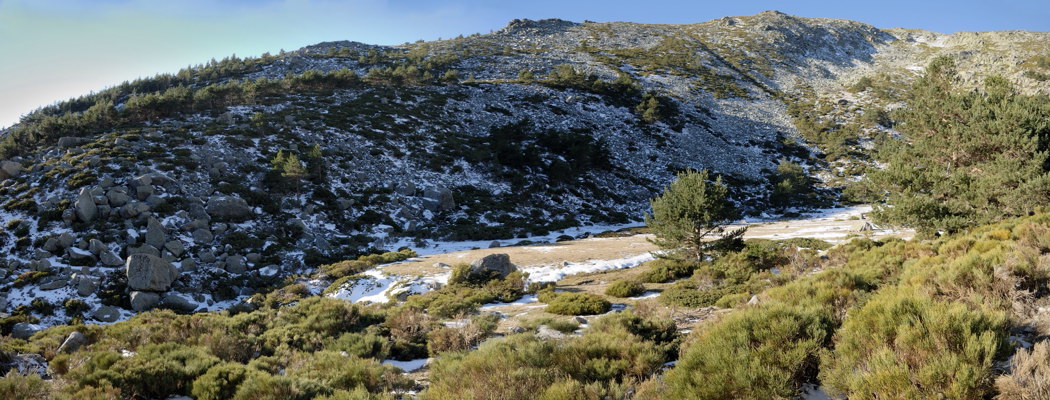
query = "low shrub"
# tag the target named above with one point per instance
(14, 385)
(574, 303)
(625, 288)
(1029, 376)
(220, 382)
(884, 350)
(688, 294)
(763, 353)
(666, 270)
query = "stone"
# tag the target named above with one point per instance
(440, 199)
(188, 265)
(73, 342)
(87, 285)
(24, 330)
(178, 303)
(96, 246)
(228, 207)
(106, 183)
(148, 272)
(235, 265)
(753, 300)
(85, 207)
(254, 257)
(546, 332)
(110, 259)
(106, 314)
(175, 247)
(142, 301)
(498, 263)
(51, 245)
(207, 256)
(494, 244)
(80, 257)
(202, 236)
(117, 198)
(344, 204)
(65, 240)
(155, 233)
(133, 209)
(55, 284)
(69, 141)
(10, 169)
(144, 249)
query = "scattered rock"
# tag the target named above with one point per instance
(24, 330)
(106, 314)
(546, 332)
(235, 265)
(202, 236)
(110, 259)
(188, 265)
(228, 207)
(494, 244)
(69, 141)
(144, 249)
(65, 240)
(85, 206)
(142, 301)
(96, 246)
(499, 263)
(73, 342)
(175, 247)
(147, 272)
(10, 169)
(117, 198)
(87, 285)
(178, 303)
(155, 233)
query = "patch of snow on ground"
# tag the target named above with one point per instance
(647, 295)
(813, 392)
(526, 299)
(554, 273)
(439, 247)
(410, 365)
(378, 287)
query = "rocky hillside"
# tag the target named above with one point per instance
(191, 190)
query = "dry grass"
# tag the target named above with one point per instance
(1029, 378)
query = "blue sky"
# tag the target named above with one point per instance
(51, 50)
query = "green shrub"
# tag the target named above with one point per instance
(29, 277)
(14, 385)
(451, 300)
(220, 382)
(687, 294)
(574, 303)
(904, 345)
(760, 353)
(625, 288)
(666, 270)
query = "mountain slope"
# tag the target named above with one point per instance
(242, 172)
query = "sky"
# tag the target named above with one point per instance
(53, 50)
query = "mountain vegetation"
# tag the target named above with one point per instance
(217, 233)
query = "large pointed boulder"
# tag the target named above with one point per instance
(148, 272)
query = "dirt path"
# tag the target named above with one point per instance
(833, 226)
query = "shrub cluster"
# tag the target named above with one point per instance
(574, 303)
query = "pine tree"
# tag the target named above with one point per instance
(690, 217)
(293, 171)
(966, 158)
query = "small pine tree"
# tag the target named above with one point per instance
(690, 213)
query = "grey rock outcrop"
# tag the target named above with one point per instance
(178, 303)
(110, 259)
(155, 233)
(85, 206)
(147, 272)
(24, 330)
(106, 314)
(142, 301)
(10, 169)
(235, 265)
(493, 263)
(228, 207)
(73, 342)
